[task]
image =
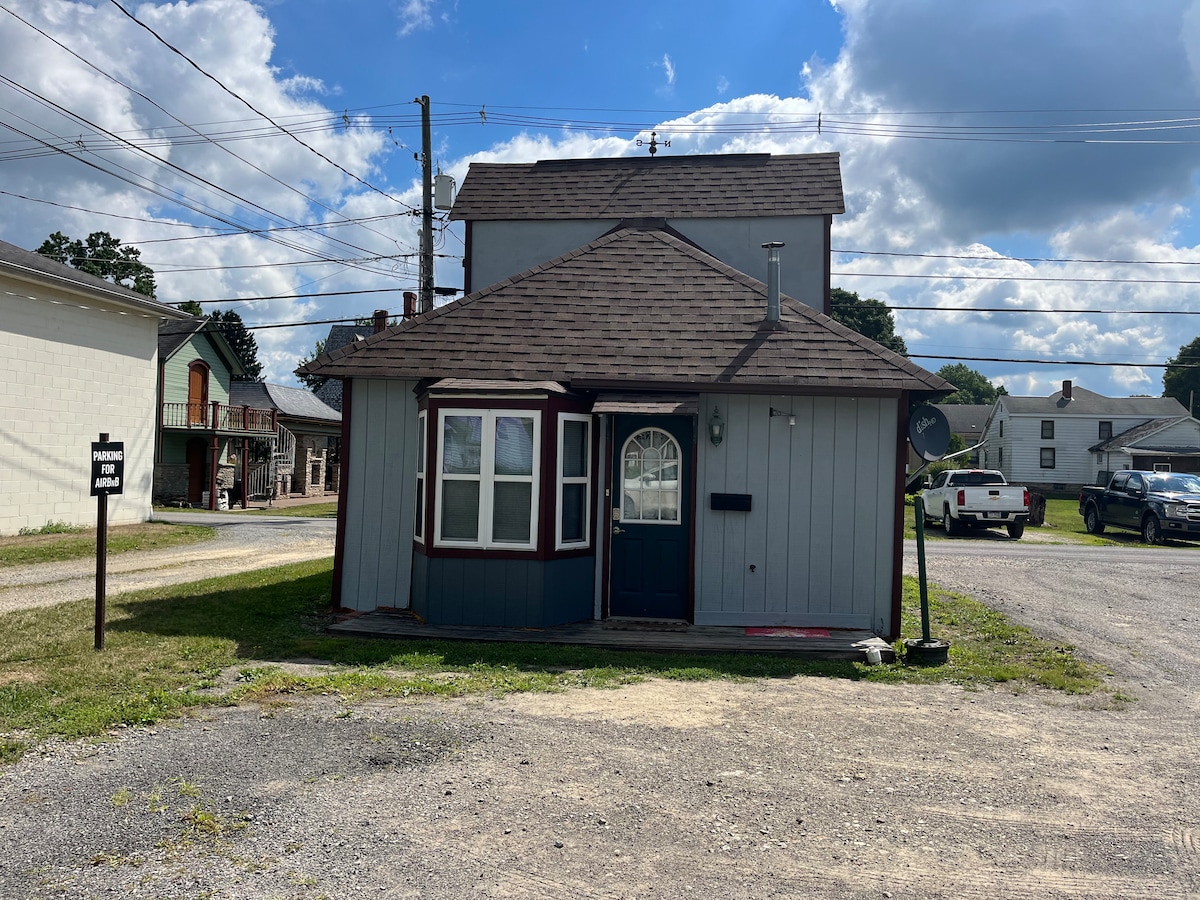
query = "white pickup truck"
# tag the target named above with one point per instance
(980, 498)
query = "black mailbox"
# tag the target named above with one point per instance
(733, 502)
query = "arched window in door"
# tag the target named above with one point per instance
(650, 478)
(197, 393)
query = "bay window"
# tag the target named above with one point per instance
(487, 483)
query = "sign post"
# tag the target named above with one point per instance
(108, 477)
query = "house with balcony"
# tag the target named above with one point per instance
(204, 439)
(640, 413)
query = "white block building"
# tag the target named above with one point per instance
(78, 357)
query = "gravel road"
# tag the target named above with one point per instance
(802, 787)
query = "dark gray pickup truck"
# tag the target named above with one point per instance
(1160, 505)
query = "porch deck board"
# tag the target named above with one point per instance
(841, 644)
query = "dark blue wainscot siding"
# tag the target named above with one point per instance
(509, 593)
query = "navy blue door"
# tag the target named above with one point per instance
(651, 516)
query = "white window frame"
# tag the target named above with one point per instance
(422, 488)
(488, 478)
(586, 480)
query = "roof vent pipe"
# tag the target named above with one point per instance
(1066, 390)
(772, 248)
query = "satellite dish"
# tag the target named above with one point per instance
(929, 433)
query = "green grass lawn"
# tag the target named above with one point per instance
(322, 510)
(169, 651)
(57, 544)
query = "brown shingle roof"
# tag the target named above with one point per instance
(703, 187)
(635, 308)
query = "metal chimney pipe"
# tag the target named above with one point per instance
(772, 248)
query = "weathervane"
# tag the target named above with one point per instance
(653, 142)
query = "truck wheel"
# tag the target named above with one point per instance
(1151, 530)
(1015, 530)
(948, 524)
(1091, 521)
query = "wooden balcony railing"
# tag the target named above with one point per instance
(219, 417)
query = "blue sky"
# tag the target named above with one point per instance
(1035, 156)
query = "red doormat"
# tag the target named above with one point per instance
(787, 631)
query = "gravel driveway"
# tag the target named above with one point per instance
(240, 546)
(802, 787)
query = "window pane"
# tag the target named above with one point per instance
(419, 527)
(573, 506)
(514, 446)
(574, 450)
(460, 510)
(510, 512)
(461, 443)
(421, 444)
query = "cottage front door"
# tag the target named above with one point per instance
(197, 459)
(651, 516)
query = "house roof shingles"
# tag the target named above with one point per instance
(26, 262)
(636, 307)
(1087, 403)
(724, 186)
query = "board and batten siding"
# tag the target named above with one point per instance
(380, 494)
(817, 547)
(72, 368)
(175, 372)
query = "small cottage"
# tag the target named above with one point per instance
(635, 425)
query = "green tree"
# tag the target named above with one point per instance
(312, 382)
(868, 317)
(972, 386)
(1182, 383)
(102, 255)
(191, 307)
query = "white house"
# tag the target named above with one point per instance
(1076, 437)
(77, 359)
(634, 427)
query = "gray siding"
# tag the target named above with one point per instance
(819, 536)
(381, 489)
(502, 249)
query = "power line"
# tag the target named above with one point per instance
(195, 131)
(1045, 259)
(1006, 309)
(1055, 362)
(1075, 280)
(251, 107)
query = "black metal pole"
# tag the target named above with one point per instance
(101, 558)
(919, 509)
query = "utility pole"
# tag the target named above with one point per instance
(426, 287)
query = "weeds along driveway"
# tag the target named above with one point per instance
(241, 544)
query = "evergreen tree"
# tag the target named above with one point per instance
(229, 323)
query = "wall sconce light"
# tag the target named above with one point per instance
(779, 412)
(716, 427)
